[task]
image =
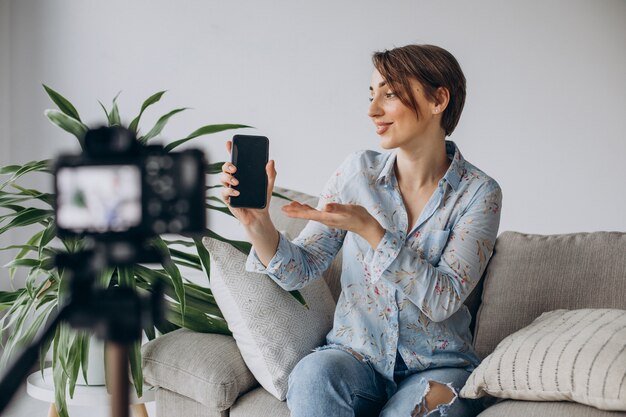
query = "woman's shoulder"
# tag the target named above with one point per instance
(365, 160)
(477, 181)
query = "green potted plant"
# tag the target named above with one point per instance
(27, 308)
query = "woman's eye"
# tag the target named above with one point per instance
(390, 95)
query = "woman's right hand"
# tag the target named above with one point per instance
(247, 216)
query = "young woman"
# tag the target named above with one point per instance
(417, 226)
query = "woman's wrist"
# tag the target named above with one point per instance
(373, 233)
(259, 227)
(264, 238)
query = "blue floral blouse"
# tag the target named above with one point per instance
(406, 296)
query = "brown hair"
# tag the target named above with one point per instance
(433, 67)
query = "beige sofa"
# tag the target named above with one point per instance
(204, 374)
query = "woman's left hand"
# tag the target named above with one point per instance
(350, 217)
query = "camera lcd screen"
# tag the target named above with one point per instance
(98, 199)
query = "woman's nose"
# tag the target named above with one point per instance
(374, 109)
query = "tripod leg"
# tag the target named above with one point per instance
(52, 411)
(139, 410)
(117, 370)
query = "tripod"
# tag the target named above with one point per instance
(114, 315)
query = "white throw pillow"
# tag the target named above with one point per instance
(564, 355)
(273, 331)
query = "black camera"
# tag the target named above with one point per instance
(120, 189)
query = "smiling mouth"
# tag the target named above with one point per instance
(382, 127)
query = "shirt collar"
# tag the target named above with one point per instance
(453, 175)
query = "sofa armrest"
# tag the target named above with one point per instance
(205, 367)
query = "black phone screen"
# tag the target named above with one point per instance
(250, 155)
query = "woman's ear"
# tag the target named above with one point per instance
(442, 98)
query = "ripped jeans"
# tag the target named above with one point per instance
(335, 383)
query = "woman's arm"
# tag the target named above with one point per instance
(438, 291)
(295, 264)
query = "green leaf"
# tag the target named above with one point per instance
(149, 101)
(197, 320)
(185, 243)
(29, 263)
(84, 355)
(9, 169)
(135, 367)
(43, 351)
(59, 376)
(33, 328)
(65, 343)
(104, 279)
(275, 194)
(73, 361)
(224, 210)
(205, 258)
(47, 236)
(69, 124)
(114, 116)
(126, 276)
(172, 271)
(30, 215)
(214, 168)
(104, 109)
(64, 105)
(188, 257)
(31, 241)
(216, 200)
(8, 297)
(149, 331)
(204, 130)
(33, 166)
(160, 124)
(9, 198)
(32, 248)
(242, 246)
(30, 194)
(194, 298)
(296, 294)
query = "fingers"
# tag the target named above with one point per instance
(228, 192)
(270, 170)
(229, 146)
(302, 211)
(227, 180)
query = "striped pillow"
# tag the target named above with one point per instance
(564, 355)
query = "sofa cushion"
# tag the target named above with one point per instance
(564, 355)
(259, 403)
(532, 274)
(171, 404)
(204, 367)
(514, 408)
(273, 331)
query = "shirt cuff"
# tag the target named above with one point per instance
(254, 264)
(385, 253)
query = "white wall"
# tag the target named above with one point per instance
(546, 87)
(5, 143)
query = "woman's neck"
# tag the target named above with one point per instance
(422, 165)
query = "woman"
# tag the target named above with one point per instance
(417, 226)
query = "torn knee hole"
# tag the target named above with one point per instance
(437, 396)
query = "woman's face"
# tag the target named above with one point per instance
(396, 124)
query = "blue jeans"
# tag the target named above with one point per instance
(336, 383)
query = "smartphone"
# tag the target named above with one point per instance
(250, 155)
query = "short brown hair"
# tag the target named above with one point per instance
(433, 67)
